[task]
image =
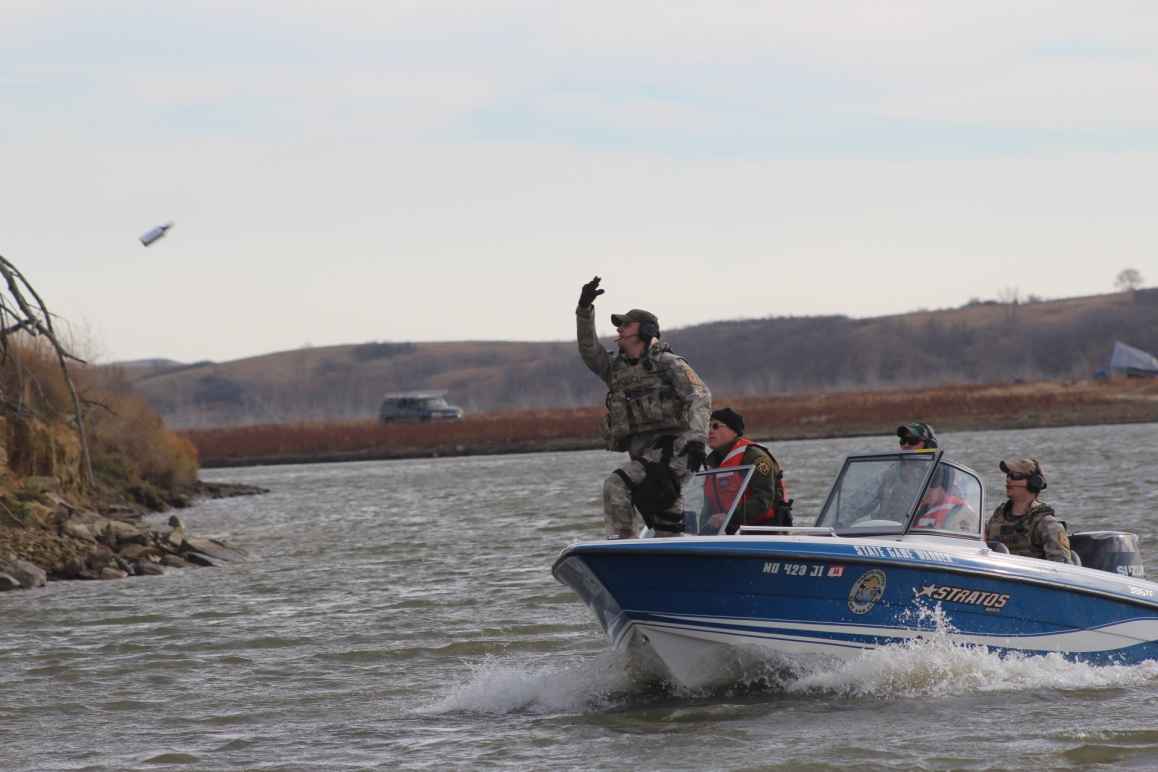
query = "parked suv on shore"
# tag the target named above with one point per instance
(418, 406)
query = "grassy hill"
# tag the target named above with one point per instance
(981, 342)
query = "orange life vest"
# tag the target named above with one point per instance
(720, 490)
(935, 517)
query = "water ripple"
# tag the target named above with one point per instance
(402, 614)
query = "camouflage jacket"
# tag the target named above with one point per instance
(1036, 534)
(657, 393)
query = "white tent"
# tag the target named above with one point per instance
(1127, 360)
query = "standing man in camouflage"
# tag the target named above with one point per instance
(1025, 524)
(657, 411)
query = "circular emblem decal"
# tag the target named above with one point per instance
(866, 591)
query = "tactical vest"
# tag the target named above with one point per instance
(642, 398)
(1016, 533)
(720, 490)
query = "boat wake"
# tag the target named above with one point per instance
(933, 665)
(936, 665)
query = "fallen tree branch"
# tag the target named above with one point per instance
(38, 321)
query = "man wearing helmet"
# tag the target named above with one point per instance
(1025, 524)
(657, 411)
(897, 487)
(917, 436)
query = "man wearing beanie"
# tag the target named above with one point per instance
(765, 502)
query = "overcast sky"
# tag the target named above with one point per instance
(343, 172)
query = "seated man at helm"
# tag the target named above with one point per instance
(943, 508)
(917, 436)
(1025, 524)
(897, 488)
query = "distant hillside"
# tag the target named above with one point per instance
(982, 342)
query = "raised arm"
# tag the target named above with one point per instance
(594, 356)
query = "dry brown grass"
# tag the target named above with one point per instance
(492, 432)
(130, 447)
(789, 416)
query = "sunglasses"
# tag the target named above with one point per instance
(1016, 476)
(716, 425)
(907, 442)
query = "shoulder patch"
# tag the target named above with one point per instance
(764, 468)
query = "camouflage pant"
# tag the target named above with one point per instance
(618, 511)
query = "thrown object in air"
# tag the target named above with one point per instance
(153, 234)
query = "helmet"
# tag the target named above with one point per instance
(918, 431)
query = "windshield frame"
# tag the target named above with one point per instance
(702, 476)
(899, 528)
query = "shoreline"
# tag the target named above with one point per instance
(776, 418)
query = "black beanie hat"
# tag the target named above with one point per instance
(729, 418)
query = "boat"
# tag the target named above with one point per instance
(897, 554)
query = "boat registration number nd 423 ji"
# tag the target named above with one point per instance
(820, 570)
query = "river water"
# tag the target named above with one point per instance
(402, 615)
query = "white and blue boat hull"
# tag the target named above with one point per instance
(834, 597)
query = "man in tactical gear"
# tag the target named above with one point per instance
(766, 501)
(1024, 524)
(657, 411)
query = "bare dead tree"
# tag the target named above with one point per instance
(1011, 298)
(18, 315)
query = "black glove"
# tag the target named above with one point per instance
(590, 292)
(696, 454)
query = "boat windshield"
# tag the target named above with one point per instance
(877, 492)
(710, 499)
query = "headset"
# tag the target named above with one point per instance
(1036, 483)
(648, 329)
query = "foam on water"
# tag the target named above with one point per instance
(933, 665)
(936, 665)
(508, 685)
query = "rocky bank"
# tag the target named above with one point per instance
(44, 536)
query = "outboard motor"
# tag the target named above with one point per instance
(1113, 551)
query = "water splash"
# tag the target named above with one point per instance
(935, 664)
(507, 685)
